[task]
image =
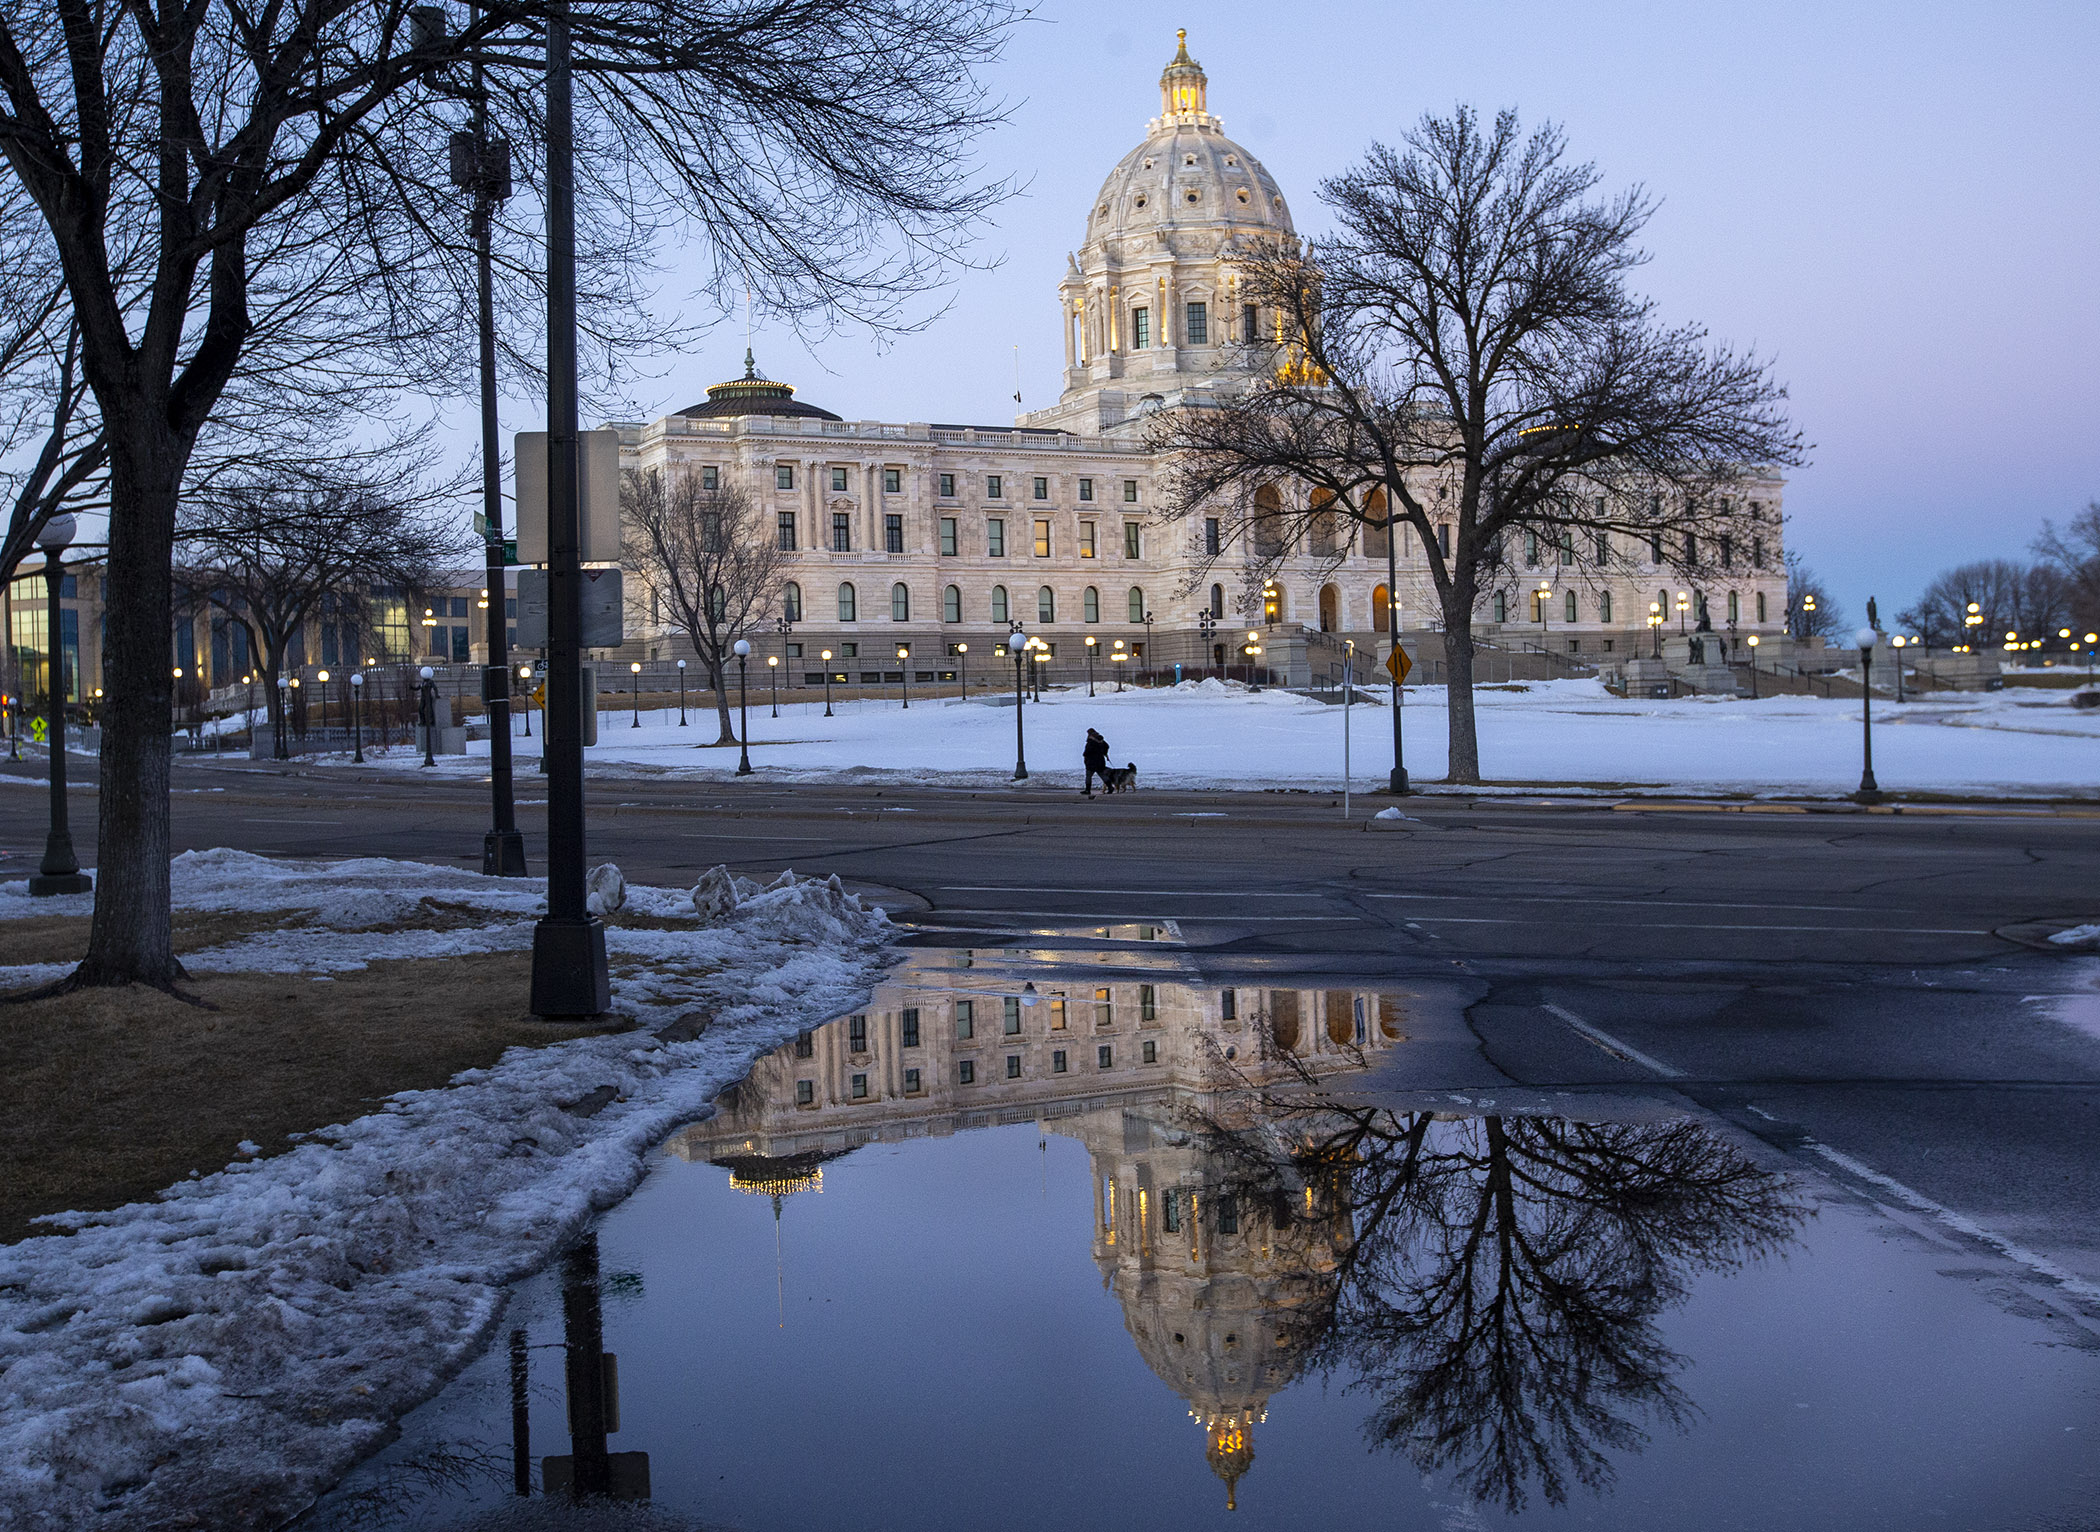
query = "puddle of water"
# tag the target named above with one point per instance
(1025, 1246)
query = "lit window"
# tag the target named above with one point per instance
(1104, 1007)
(1042, 538)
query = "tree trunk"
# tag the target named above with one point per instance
(717, 676)
(129, 941)
(1464, 748)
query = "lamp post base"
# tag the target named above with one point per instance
(503, 854)
(45, 884)
(569, 976)
(1396, 783)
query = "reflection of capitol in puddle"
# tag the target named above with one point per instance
(1211, 1267)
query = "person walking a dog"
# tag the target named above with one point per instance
(1096, 758)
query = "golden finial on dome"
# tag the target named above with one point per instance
(1181, 54)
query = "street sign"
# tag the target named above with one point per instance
(604, 610)
(598, 483)
(1398, 664)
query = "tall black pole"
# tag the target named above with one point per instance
(1020, 696)
(60, 872)
(569, 976)
(520, 1415)
(503, 848)
(743, 708)
(1869, 789)
(1397, 782)
(583, 1331)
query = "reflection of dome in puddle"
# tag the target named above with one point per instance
(764, 1175)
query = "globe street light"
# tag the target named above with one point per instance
(1897, 644)
(742, 650)
(1117, 659)
(322, 677)
(357, 717)
(426, 709)
(1150, 654)
(827, 682)
(1017, 642)
(525, 674)
(772, 669)
(962, 652)
(1753, 667)
(681, 694)
(1542, 595)
(59, 872)
(1869, 789)
(1684, 604)
(1655, 626)
(1253, 652)
(634, 669)
(1091, 641)
(284, 703)
(904, 674)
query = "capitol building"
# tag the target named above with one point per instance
(935, 538)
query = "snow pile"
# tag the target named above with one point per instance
(217, 1358)
(2078, 936)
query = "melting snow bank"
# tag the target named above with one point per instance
(218, 1358)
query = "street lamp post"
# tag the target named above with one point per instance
(1253, 653)
(1753, 667)
(1541, 596)
(1151, 657)
(1869, 789)
(322, 677)
(1655, 626)
(962, 653)
(59, 872)
(827, 682)
(1206, 625)
(742, 650)
(681, 694)
(357, 714)
(904, 674)
(1091, 641)
(277, 731)
(525, 674)
(773, 670)
(634, 671)
(426, 709)
(1897, 644)
(1117, 658)
(1017, 641)
(1684, 605)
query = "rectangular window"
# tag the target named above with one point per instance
(1131, 539)
(1140, 329)
(805, 1045)
(841, 531)
(948, 537)
(1443, 538)
(838, 481)
(1086, 489)
(1760, 606)
(893, 534)
(966, 1072)
(1013, 1066)
(1757, 552)
(947, 486)
(911, 1082)
(1130, 491)
(995, 538)
(459, 606)
(1105, 1057)
(1013, 1016)
(965, 1020)
(1691, 548)
(860, 1087)
(1228, 1215)
(1199, 324)
(1727, 551)
(1151, 1052)
(1104, 1007)
(1211, 530)
(1086, 539)
(1042, 538)
(1057, 1009)
(908, 1026)
(1042, 489)
(1228, 1005)
(1170, 1212)
(1250, 324)
(710, 477)
(805, 1093)
(857, 1034)
(1604, 547)
(783, 475)
(1148, 1003)
(993, 488)
(784, 531)
(1057, 1062)
(893, 481)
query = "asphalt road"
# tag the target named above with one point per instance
(1834, 982)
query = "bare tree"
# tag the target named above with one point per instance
(2029, 600)
(708, 560)
(1462, 357)
(271, 556)
(285, 169)
(1811, 611)
(2074, 552)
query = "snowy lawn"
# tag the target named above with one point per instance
(219, 1356)
(1210, 734)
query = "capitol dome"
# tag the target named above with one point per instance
(1187, 174)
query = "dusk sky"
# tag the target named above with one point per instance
(1900, 204)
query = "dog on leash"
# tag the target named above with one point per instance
(1121, 779)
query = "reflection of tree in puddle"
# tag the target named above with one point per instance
(1497, 1282)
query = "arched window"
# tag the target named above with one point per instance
(1137, 604)
(1760, 606)
(1268, 528)
(1217, 601)
(791, 602)
(1501, 605)
(717, 603)
(1046, 605)
(999, 603)
(848, 612)
(1569, 608)
(1604, 606)
(1734, 606)
(1379, 619)
(900, 602)
(1090, 605)
(951, 605)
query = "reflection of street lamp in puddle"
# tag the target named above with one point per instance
(780, 1179)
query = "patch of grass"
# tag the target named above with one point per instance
(106, 1096)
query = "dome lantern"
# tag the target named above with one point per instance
(1183, 86)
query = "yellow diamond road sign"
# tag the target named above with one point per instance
(1399, 664)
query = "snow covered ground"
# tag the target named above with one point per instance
(215, 1358)
(2018, 742)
